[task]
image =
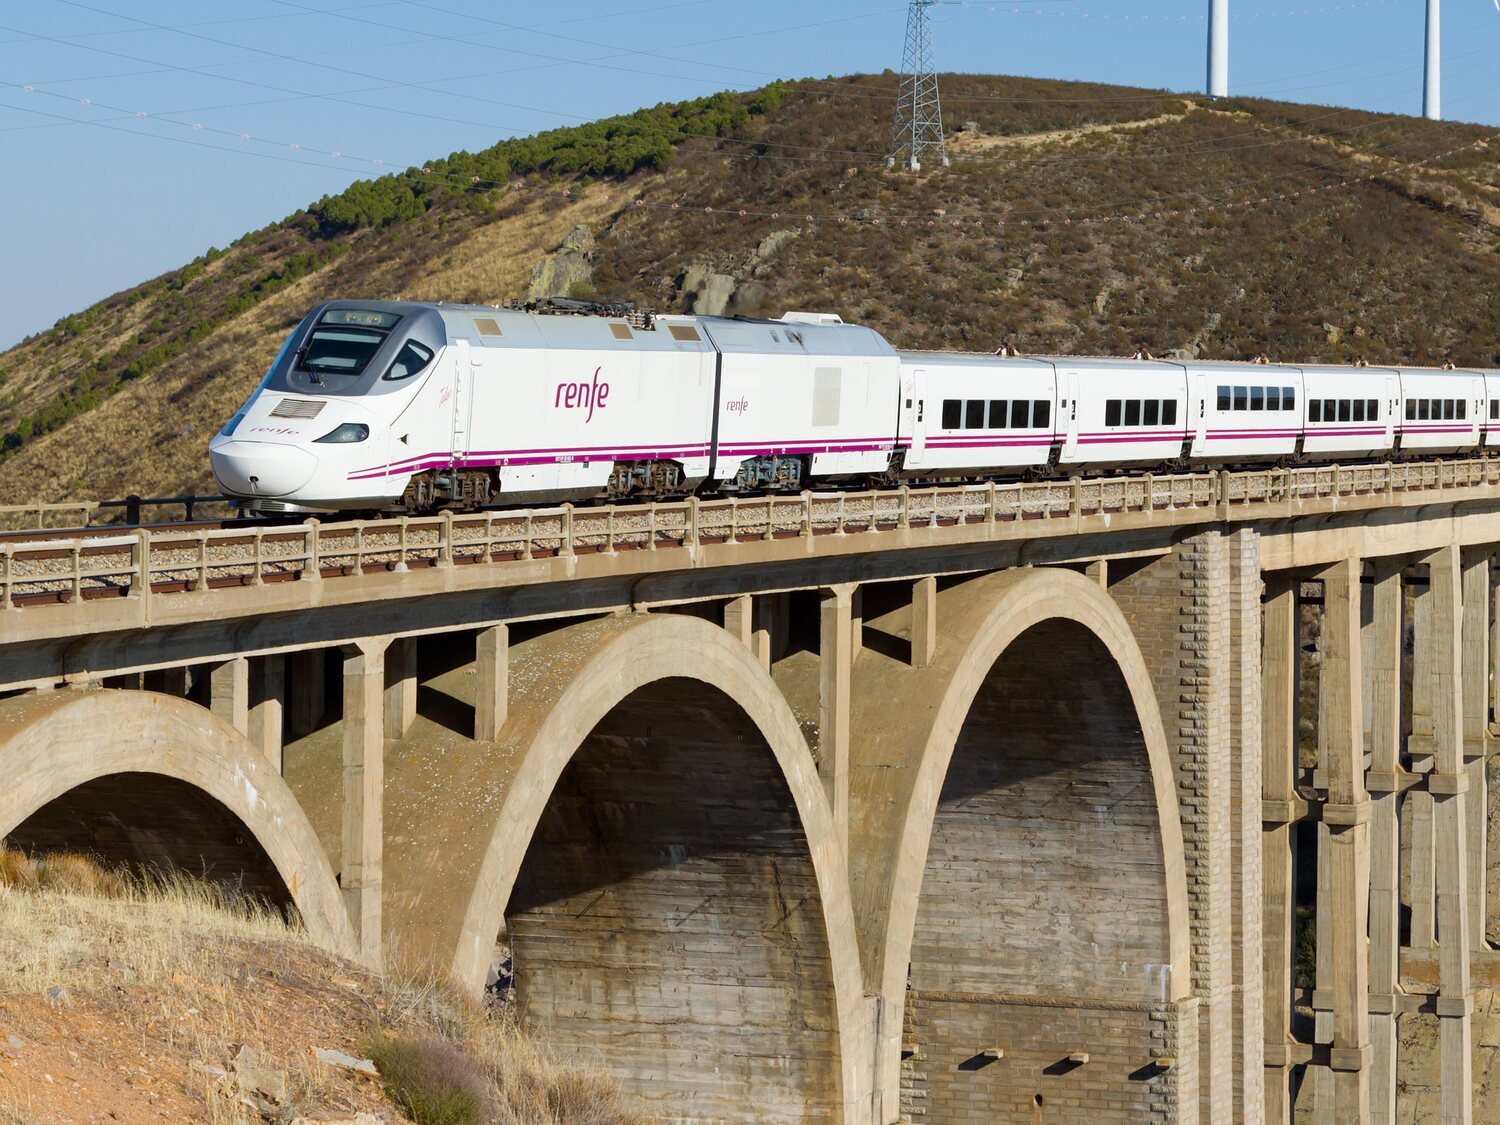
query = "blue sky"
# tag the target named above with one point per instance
(154, 129)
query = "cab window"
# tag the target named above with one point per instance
(412, 357)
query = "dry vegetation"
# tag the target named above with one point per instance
(123, 396)
(123, 999)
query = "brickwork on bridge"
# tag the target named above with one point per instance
(1179, 609)
(972, 804)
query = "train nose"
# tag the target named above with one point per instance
(255, 468)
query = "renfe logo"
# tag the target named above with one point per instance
(737, 405)
(582, 396)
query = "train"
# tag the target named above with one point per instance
(406, 406)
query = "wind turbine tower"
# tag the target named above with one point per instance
(918, 131)
(1432, 90)
(1218, 48)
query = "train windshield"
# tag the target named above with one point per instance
(344, 342)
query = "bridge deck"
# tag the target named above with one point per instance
(53, 587)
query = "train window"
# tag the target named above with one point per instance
(1169, 412)
(1273, 398)
(339, 350)
(1223, 398)
(1330, 410)
(1133, 412)
(1424, 409)
(1463, 409)
(1041, 413)
(411, 359)
(1495, 409)
(1359, 410)
(1372, 409)
(1112, 412)
(1314, 410)
(998, 412)
(1345, 413)
(1241, 398)
(953, 412)
(1019, 411)
(1257, 398)
(1152, 416)
(1449, 407)
(974, 414)
(1289, 398)
(1411, 410)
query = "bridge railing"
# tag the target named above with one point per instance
(148, 562)
(129, 511)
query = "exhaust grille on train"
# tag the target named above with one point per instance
(297, 408)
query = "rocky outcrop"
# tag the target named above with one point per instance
(712, 289)
(572, 264)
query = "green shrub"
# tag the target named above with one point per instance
(431, 1078)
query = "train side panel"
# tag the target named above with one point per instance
(1244, 411)
(1441, 411)
(980, 415)
(557, 402)
(1349, 411)
(1491, 425)
(1121, 412)
(826, 393)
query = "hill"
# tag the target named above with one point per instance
(137, 999)
(1074, 218)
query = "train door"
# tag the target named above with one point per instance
(906, 413)
(1197, 406)
(1476, 409)
(463, 397)
(1067, 385)
(918, 392)
(1392, 405)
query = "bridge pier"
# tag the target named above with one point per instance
(229, 692)
(1475, 666)
(266, 718)
(361, 876)
(400, 686)
(835, 666)
(1382, 781)
(1448, 783)
(1179, 610)
(1346, 818)
(1278, 852)
(307, 687)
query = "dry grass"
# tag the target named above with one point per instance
(445, 1050)
(133, 996)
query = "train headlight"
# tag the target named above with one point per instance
(229, 426)
(346, 434)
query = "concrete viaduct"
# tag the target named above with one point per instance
(970, 804)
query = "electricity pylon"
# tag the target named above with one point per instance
(918, 132)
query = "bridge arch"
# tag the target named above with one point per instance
(1026, 862)
(661, 740)
(60, 743)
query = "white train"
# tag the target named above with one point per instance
(390, 406)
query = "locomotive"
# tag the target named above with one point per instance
(403, 406)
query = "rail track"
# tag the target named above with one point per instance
(52, 566)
